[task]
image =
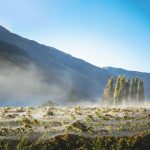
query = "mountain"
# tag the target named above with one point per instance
(84, 80)
(129, 74)
(74, 79)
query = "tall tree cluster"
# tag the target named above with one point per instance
(123, 90)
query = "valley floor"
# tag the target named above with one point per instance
(74, 128)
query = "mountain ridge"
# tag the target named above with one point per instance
(123, 69)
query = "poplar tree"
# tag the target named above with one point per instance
(136, 87)
(141, 91)
(109, 91)
(127, 90)
(132, 90)
(117, 88)
(122, 89)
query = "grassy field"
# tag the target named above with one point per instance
(52, 128)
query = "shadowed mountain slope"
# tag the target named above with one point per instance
(86, 81)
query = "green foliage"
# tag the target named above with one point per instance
(122, 89)
(109, 91)
(141, 91)
(23, 144)
(49, 113)
(117, 88)
(136, 88)
(90, 129)
(132, 88)
(125, 91)
(73, 141)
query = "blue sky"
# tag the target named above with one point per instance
(103, 32)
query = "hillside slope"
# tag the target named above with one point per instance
(87, 81)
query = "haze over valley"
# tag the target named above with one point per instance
(32, 73)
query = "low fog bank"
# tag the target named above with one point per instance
(145, 104)
(27, 86)
(87, 104)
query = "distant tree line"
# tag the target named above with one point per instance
(123, 91)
